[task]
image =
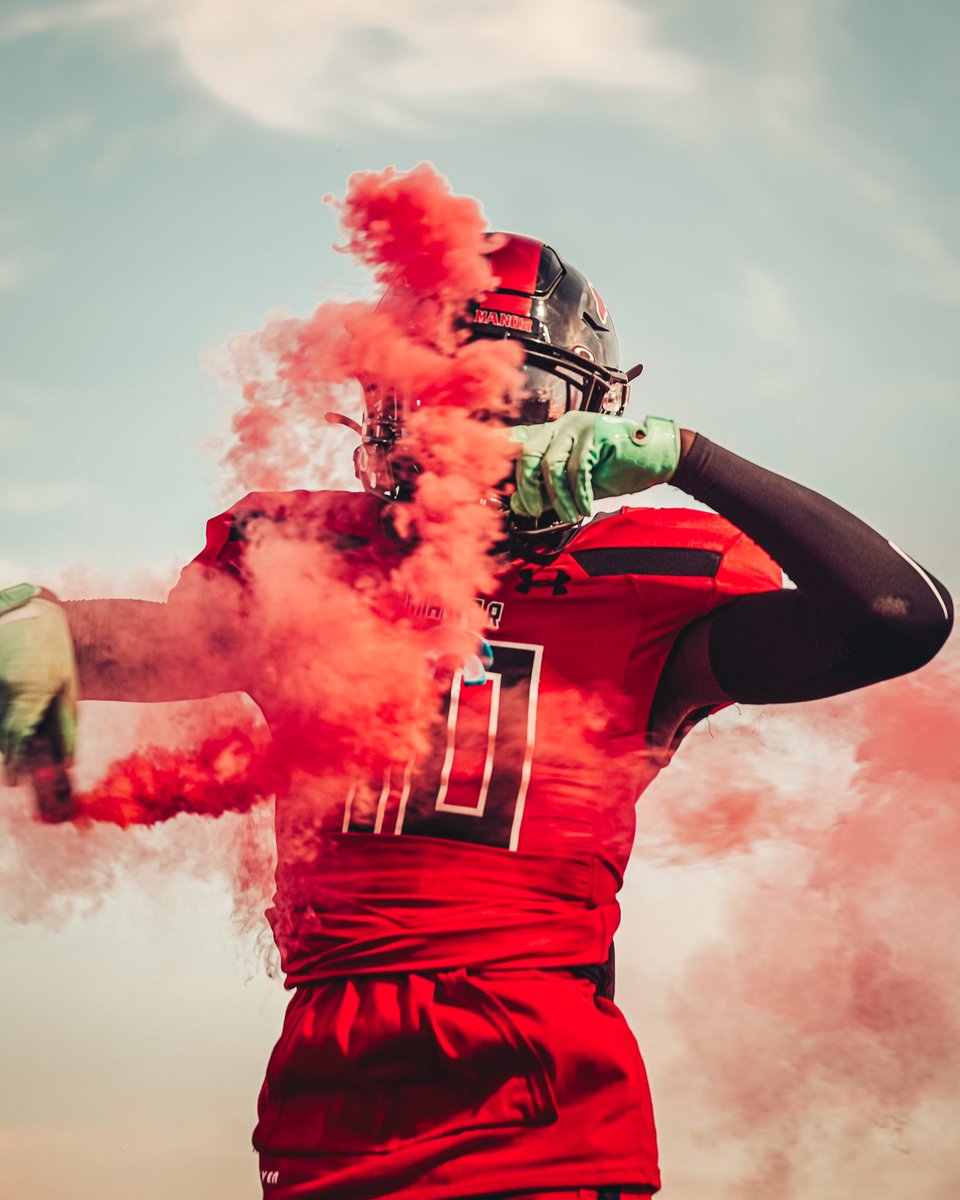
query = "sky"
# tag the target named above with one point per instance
(765, 196)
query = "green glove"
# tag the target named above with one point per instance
(564, 464)
(38, 675)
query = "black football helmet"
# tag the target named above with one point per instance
(571, 357)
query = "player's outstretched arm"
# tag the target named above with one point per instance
(862, 610)
(138, 650)
(53, 653)
(125, 650)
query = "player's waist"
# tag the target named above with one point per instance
(379, 907)
(351, 869)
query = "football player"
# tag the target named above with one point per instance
(447, 930)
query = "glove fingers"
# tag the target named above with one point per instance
(20, 720)
(580, 466)
(565, 463)
(634, 456)
(66, 714)
(554, 473)
(527, 501)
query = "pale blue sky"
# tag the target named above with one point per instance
(764, 194)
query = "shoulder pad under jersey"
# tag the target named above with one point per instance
(352, 517)
(675, 543)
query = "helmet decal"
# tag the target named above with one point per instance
(503, 320)
(601, 307)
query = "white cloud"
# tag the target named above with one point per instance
(324, 66)
(313, 63)
(11, 429)
(317, 65)
(11, 571)
(32, 20)
(883, 193)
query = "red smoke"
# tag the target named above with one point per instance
(51, 872)
(349, 665)
(828, 1014)
(353, 678)
(350, 680)
(427, 247)
(226, 773)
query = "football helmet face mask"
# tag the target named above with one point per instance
(571, 358)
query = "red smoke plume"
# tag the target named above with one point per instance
(353, 678)
(828, 1013)
(226, 773)
(351, 687)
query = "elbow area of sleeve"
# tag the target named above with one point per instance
(780, 648)
(907, 639)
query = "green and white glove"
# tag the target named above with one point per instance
(38, 676)
(567, 463)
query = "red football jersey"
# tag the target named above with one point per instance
(441, 907)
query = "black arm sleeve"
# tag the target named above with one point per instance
(862, 610)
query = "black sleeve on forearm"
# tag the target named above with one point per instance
(862, 611)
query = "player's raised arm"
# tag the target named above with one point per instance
(862, 610)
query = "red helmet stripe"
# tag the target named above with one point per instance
(517, 264)
(601, 307)
(504, 302)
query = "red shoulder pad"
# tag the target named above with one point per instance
(689, 543)
(347, 513)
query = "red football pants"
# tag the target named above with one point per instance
(426, 1087)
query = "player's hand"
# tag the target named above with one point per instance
(567, 463)
(38, 676)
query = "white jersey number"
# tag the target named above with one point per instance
(473, 785)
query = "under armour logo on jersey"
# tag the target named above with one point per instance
(557, 585)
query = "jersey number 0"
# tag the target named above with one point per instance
(473, 784)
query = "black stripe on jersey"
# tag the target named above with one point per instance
(648, 560)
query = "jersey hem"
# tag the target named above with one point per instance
(501, 1182)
